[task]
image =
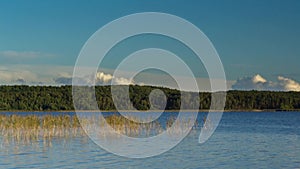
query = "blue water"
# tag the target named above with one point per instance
(242, 140)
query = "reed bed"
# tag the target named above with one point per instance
(129, 126)
(16, 128)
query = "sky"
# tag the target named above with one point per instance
(255, 39)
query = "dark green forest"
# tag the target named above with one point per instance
(59, 98)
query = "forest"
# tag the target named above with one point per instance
(59, 98)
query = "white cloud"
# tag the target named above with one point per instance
(258, 79)
(123, 81)
(101, 76)
(257, 82)
(100, 79)
(289, 84)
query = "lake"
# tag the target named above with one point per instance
(242, 140)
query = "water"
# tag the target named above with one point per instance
(242, 140)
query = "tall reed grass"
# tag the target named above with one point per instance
(17, 128)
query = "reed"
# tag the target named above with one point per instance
(17, 128)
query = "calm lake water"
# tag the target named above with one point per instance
(242, 140)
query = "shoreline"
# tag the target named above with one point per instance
(168, 111)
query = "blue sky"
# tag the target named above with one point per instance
(251, 36)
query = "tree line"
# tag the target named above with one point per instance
(59, 98)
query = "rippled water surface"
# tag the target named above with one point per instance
(242, 140)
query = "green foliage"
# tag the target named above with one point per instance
(55, 98)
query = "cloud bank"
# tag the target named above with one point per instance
(257, 82)
(16, 77)
(62, 75)
(32, 75)
(101, 78)
(52, 75)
